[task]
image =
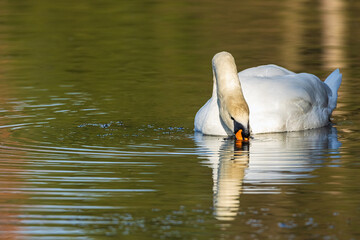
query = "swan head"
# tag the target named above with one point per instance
(233, 109)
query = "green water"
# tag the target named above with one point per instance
(97, 101)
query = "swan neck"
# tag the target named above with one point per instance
(227, 88)
(227, 85)
(214, 93)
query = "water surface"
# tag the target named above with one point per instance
(97, 101)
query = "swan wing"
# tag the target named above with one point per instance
(280, 100)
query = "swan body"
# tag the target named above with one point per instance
(278, 100)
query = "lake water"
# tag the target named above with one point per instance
(97, 101)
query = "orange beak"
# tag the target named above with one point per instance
(239, 136)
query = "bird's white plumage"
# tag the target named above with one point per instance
(279, 100)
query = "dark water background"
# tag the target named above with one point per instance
(97, 100)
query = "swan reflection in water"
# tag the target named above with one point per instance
(260, 167)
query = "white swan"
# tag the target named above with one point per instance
(265, 99)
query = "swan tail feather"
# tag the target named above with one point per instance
(333, 81)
